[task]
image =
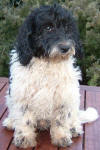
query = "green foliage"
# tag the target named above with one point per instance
(87, 13)
(94, 71)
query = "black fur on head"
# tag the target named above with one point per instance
(44, 28)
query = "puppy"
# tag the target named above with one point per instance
(44, 84)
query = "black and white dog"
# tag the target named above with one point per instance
(44, 84)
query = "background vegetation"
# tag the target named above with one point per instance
(87, 13)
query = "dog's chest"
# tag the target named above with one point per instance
(43, 83)
(48, 82)
(50, 75)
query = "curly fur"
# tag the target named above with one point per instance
(44, 84)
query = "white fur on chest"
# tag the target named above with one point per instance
(38, 83)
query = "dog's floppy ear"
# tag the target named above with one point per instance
(73, 33)
(27, 30)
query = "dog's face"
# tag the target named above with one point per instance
(50, 31)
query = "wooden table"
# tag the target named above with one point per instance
(90, 140)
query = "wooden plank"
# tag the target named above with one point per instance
(92, 130)
(5, 135)
(82, 98)
(3, 79)
(2, 84)
(90, 88)
(2, 100)
(44, 142)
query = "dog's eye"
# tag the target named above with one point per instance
(49, 28)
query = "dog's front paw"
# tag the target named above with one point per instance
(62, 142)
(24, 140)
(60, 137)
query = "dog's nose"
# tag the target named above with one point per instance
(64, 48)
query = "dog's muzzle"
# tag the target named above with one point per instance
(63, 49)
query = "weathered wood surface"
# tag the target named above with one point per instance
(90, 140)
